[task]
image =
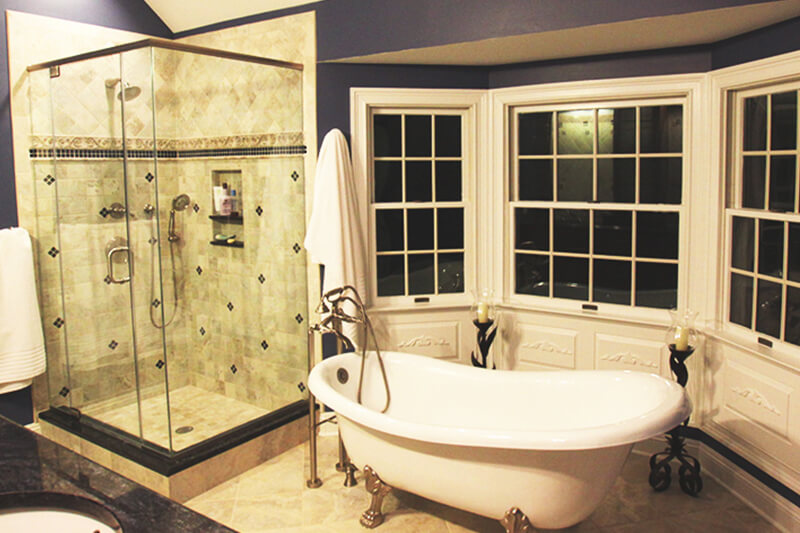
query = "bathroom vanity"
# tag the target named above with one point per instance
(32, 467)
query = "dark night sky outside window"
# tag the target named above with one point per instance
(418, 204)
(763, 217)
(596, 195)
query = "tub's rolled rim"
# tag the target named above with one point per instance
(670, 413)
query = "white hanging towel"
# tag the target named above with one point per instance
(21, 340)
(334, 236)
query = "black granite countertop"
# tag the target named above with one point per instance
(32, 463)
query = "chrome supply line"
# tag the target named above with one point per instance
(331, 305)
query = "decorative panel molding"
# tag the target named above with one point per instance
(754, 396)
(625, 353)
(552, 347)
(438, 340)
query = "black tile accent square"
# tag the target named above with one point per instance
(234, 369)
(49, 179)
(107, 279)
(149, 177)
(156, 303)
(63, 392)
(301, 386)
(299, 318)
(52, 252)
(264, 344)
(104, 212)
(296, 248)
(58, 322)
(295, 176)
(113, 344)
(261, 278)
(229, 306)
(196, 208)
(152, 240)
(259, 210)
(202, 330)
(199, 270)
(160, 364)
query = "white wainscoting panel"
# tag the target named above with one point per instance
(625, 353)
(543, 347)
(438, 339)
(757, 398)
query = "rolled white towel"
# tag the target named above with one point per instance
(22, 354)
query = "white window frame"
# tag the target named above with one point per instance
(630, 91)
(731, 89)
(473, 105)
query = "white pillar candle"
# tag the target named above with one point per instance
(681, 338)
(483, 312)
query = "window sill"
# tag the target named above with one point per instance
(778, 354)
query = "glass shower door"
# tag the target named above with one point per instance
(98, 251)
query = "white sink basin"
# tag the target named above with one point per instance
(46, 512)
(45, 520)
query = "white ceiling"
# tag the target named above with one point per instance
(181, 15)
(642, 34)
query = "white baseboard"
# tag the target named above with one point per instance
(772, 506)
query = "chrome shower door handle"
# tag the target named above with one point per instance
(110, 263)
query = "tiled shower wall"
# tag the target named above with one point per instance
(254, 348)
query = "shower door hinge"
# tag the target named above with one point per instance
(55, 71)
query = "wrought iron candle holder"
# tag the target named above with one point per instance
(689, 472)
(483, 309)
(485, 338)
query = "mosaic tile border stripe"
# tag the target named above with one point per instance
(260, 140)
(70, 153)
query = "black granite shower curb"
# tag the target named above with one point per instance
(158, 458)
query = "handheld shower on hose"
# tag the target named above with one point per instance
(179, 203)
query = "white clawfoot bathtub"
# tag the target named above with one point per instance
(548, 443)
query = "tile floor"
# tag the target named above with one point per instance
(206, 412)
(273, 498)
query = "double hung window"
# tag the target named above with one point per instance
(763, 213)
(418, 167)
(595, 201)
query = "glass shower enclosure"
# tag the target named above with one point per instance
(174, 317)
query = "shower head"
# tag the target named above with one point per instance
(128, 91)
(181, 202)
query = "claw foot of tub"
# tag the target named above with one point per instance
(373, 517)
(515, 521)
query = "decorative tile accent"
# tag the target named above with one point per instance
(156, 303)
(199, 270)
(229, 306)
(58, 322)
(196, 208)
(295, 176)
(53, 252)
(299, 318)
(264, 345)
(229, 142)
(107, 279)
(261, 278)
(301, 386)
(113, 344)
(202, 331)
(160, 364)
(63, 392)
(152, 240)
(49, 179)
(259, 210)
(296, 248)
(104, 212)
(149, 177)
(234, 369)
